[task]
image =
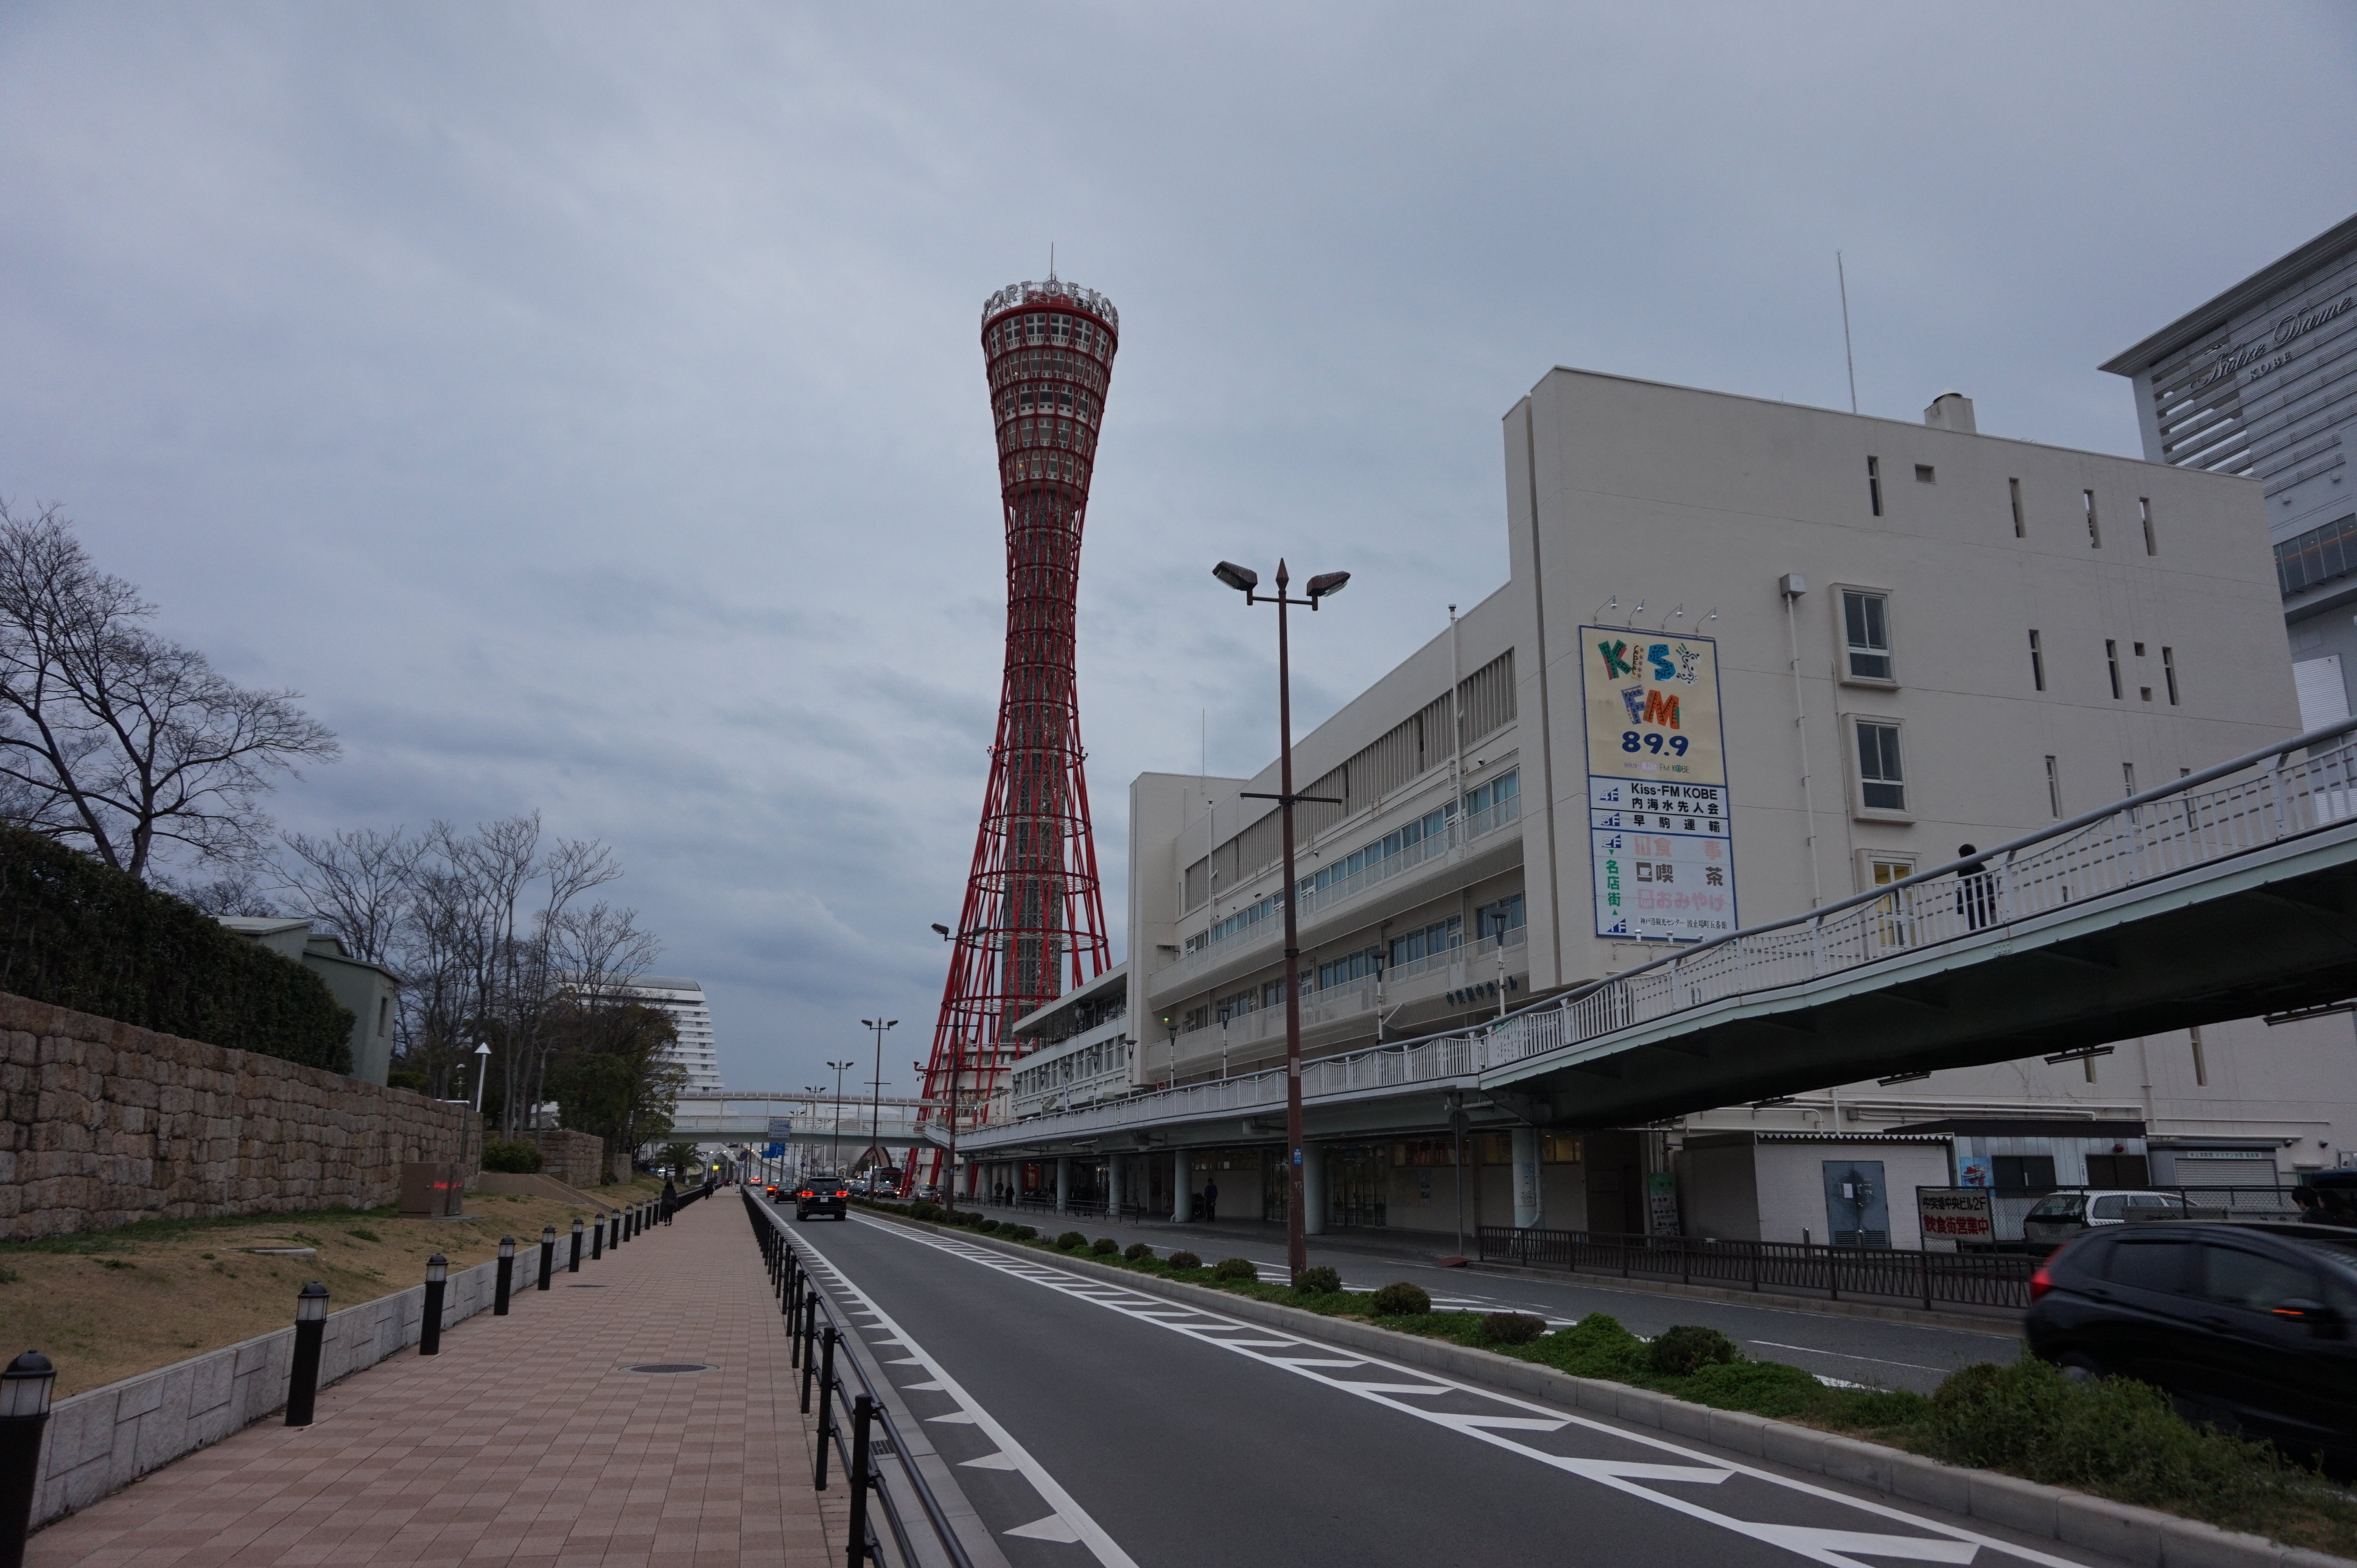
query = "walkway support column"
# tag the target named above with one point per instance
(1529, 1208)
(1182, 1177)
(1063, 1183)
(1313, 1189)
(1113, 1187)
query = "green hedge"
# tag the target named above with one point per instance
(76, 934)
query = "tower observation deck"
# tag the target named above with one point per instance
(1033, 921)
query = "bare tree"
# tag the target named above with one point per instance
(358, 884)
(114, 739)
(237, 891)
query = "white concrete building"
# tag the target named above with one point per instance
(1751, 659)
(682, 1001)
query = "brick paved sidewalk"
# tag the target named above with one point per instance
(524, 1440)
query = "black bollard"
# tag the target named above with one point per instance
(429, 1326)
(547, 1257)
(310, 1328)
(24, 1390)
(573, 1267)
(506, 1276)
(597, 1239)
(806, 1338)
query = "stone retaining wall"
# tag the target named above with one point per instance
(576, 1159)
(102, 1124)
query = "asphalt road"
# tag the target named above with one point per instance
(1836, 1346)
(1085, 1420)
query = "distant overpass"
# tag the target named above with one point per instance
(716, 1116)
(2226, 894)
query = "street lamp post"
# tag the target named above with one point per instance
(840, 1069)
(1247, 582)
(876, 1104)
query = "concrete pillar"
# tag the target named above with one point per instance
(1113, 1187)
(1182, 1178)
(1063, 1183)
(1528, 1209)
(1313, 1189)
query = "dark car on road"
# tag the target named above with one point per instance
(822, 1195)
(2249, 1327)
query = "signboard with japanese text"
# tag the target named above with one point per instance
(782, 1129)
(1953, 1217)
(1660, 820)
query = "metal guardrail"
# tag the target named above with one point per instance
(2145, 837)
(1956, 1279)
(816, 1331)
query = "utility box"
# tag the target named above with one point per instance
(432, 1190)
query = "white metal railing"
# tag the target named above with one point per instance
(1459, 831)
(2145, 838)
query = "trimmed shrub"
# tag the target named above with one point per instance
(1234, 1269)
(1070, 1239)
(1762, 1388)
(1184, 1261)
(1104, 1247)
(986, 1226)
(512, 1155)
(1512, 1327)
(1023, 1232)
(1319, 1280)
(1685, 1349)
(923, 1211)
(1138, 1253)
(1400, 1299)
(76, 933)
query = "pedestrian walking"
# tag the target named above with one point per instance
(1975, 890)
(1210, 1200)
(669, 1199)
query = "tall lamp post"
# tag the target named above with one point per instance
(840, 1069)
(876, 1101)
(1247, 583)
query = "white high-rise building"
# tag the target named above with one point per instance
(682, 1001)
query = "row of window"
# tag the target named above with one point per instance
(1046, 398)
(1882, 772)
(1865, 649)
(2316, 556)
(1491, 920)
(1042, 328)
(1926, 475)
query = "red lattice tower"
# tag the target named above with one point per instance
(1033, 914)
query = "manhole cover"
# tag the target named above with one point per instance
(663, 1367)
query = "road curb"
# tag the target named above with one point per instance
(2139, 1535)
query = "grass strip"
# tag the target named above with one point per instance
(2113, 1438)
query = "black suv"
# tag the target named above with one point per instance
(822, 1195)
(2246, 1326)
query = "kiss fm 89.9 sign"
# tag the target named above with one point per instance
(1660, 823)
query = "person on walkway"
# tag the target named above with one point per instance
(669, 1199)
(1211, 1201)
(1975, 889)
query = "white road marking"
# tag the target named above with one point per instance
(1055, 1527)
(1086, 1532)
(1843, 1355)
(992, 1462)
(1833, 1547)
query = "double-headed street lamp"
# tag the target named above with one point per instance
(1247, 582)
(840, 1069)
(875, 1105)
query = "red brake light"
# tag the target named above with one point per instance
(2040, 1281)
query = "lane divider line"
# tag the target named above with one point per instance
(1952, 1543)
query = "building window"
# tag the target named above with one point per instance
(2037, 660)
(2144, 515)
(2053, 788)
(2112, 660)
(1881, 778)
(2094, 529)
(2013, 489)
(1487, 918)
(1882, 870)
(1924, 476)
(2127, 779)
(2168, 672)
(1865, 635)
(1874, 484)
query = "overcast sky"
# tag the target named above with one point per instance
(581, 404)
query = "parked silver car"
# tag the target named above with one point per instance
(2059, 1216)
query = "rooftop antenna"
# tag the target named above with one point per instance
(1052, 278)
(1842, 277)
